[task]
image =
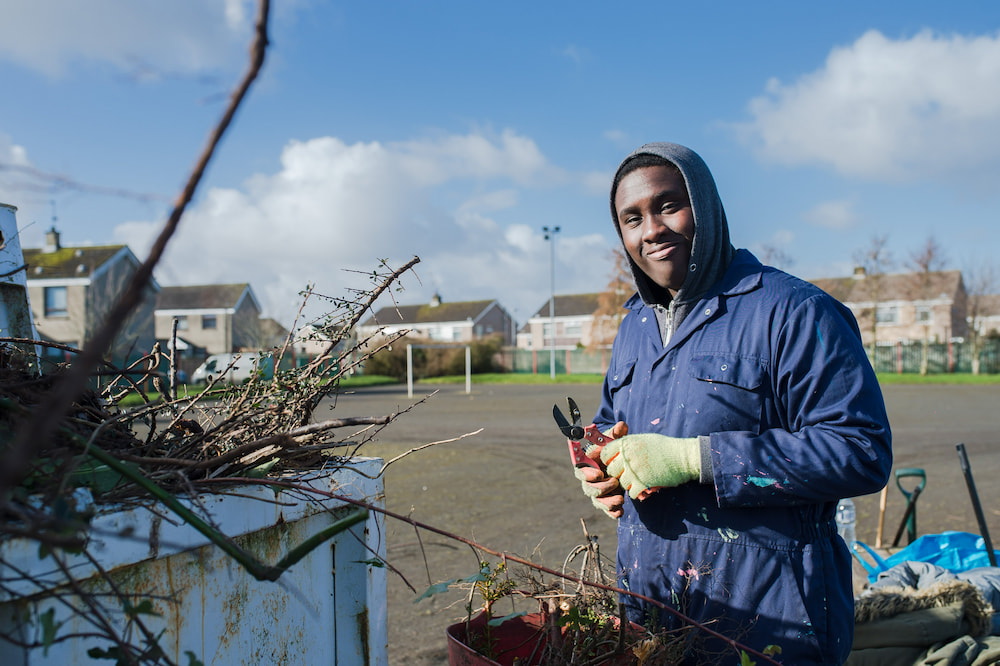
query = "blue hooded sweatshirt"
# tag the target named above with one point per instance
(768, 371)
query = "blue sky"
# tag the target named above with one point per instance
(455, 130)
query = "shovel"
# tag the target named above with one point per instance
(963, 460)
(910, 515)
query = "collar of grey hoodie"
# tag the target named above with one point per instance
(664, 318)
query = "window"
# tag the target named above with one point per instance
(887, 314)
(574, 329)
(208, 321)
(55, 302)
(924, 315)
(182, 323)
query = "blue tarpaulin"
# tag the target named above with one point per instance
(954, 551)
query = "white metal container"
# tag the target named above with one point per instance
(15, 310)
(329, 608)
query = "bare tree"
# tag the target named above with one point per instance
(772, 255)
(874, 261)
(981, 287)
(609, 313)
(925, 262)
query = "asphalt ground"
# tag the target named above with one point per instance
(510, 487)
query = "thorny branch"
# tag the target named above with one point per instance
(418, 525)
(261, 427)
(238, 431)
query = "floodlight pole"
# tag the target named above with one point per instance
(550, 235)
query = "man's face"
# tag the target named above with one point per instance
(657, 223)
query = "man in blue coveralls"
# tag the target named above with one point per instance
(750, 409)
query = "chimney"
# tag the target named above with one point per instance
(435, 300)
(859, 273)
(51, 240)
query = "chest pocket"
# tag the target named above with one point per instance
(730, 390)
(619, 376)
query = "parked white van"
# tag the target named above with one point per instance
(237, 366)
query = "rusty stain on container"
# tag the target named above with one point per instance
(154, 535)
(363, 629)
(209, 605)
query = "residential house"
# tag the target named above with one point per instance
(442, 322)
(987, 314)
(72, 289)
(273, 335)
(907, 307)
(573, 317)
(218, 318)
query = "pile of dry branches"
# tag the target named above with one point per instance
(262, 427)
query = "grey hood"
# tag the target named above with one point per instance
(711, 250)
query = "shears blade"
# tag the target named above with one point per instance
(573, 431)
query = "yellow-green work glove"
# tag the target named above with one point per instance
(650, 460)
(603, 491)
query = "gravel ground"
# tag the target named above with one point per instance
(510, 488)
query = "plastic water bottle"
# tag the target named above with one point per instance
(846, 519)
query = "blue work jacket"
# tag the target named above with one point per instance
(772, 369)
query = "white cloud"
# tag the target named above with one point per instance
(836, 215)
(334, 210)
(597, 182)
(470, 213)
(891, 110)
(21, 186)
(575, 53)
(184, 35)
(12, 154)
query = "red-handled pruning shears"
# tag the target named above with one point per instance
(581, 439)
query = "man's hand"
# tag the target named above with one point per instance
(619, 429)
(650, 460)
(604, 491)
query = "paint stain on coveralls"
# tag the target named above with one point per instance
(762, 481)
(728, 534)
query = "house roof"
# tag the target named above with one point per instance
(893, 287)
(272, 331)
(988, 305)
(202, 296)
(425, 314)
(571, 305)
(69, 262)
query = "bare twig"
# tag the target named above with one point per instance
(37, 433)
(372, 297)
(513, 558)
(173, 360)
(424, 446)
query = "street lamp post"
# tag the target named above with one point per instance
(550, 235)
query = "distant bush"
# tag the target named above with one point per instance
(435, 361)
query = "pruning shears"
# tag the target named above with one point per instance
(581, 439)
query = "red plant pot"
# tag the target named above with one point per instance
(517, 638)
